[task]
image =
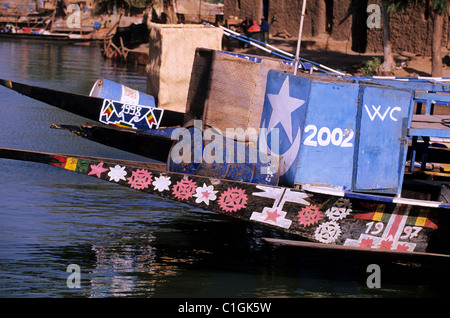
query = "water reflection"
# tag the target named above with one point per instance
(58, 66)
(118, 264)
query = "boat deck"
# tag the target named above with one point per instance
(430, 126)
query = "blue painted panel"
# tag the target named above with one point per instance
(283, 119)
(207, 154)
(164, 132)
(338, 133)
(382, 141)
(186, 154)
(406, 84)
(106, 89)
(328, 141)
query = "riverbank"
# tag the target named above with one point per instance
(324, 50)
(338, 55)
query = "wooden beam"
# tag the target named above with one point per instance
(306, 244)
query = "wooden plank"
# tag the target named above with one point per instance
(434, 97)
(415, 85)
(356, 222)
(429, 119)
(429, 126)
(146, 144)
(306, 244)
(52, 159)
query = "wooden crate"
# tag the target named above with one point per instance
(227, 90)
(171, 56)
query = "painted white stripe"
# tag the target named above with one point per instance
(323, 190)
(430, 204)
(341, 193)
(129, 96)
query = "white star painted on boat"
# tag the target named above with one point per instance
(205, 193)
(282, 107)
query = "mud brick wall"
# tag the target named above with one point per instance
(411, 30)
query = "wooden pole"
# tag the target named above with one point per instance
(297, 53)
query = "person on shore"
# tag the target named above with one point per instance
(254, 27)
(246, 25)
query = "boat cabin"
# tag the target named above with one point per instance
(355, 134)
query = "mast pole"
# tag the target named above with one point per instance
(297, 53)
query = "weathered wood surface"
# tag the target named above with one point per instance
(227, 91)
(331, 219)
(57, 160)
(430, 125)
(305, 244)
(148, 145)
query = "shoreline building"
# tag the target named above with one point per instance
(410, 30)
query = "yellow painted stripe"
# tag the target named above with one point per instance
(71, 164)
(422, 218)
(377, 216)
(379, 212)
(420, 221)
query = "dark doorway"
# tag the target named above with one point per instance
(328, 16)
(265, 9)
(359, 27)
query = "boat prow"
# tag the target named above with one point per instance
(106, 108)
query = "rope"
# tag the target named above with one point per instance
(445, 122)
(273, 50)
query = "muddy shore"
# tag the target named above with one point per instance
(339, 56)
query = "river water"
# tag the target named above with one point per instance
(130, 244)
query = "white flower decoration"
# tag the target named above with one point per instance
(328, 232)
(205, 193)
(117, 173)
(340, 210)
(162, 183)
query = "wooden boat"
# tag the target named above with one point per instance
(130, 140)
(332, 219)
(342, 181)
(54, 37)
(105, 109)
(127, 119)
(344, 152)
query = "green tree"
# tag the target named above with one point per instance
(388, 63)
(130, 6)
(437, 8)
(387, 7)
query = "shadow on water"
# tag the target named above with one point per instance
(173, 261)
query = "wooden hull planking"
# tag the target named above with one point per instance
(331, 219)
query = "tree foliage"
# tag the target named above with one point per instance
(437, 8)
(106, 6)
(399, 5)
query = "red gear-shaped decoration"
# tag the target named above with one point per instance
(140, 179)
(233, 199)
(309, 215)
(184, 189)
